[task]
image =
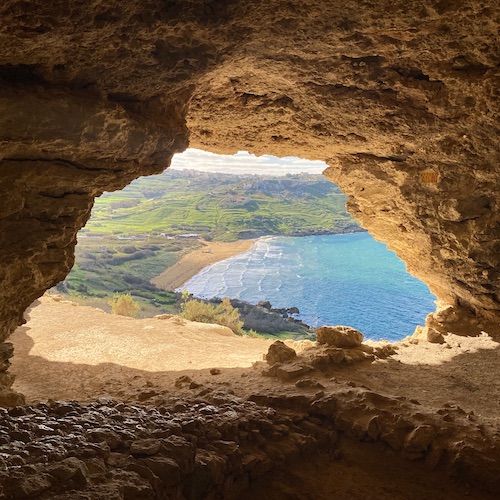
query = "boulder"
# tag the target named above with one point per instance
(292, 371)
(339, 336)
(434, 336)
(279, 353)
(145, 447)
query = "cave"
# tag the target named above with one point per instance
(399, 98)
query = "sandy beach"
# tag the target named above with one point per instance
(192, 263)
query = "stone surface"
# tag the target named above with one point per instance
(434, 336)
(169, 450)
(279, 353)
(339, 336)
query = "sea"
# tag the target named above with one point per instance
(341, 279)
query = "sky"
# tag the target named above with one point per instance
(244, 163)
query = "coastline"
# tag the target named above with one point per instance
(193, 262)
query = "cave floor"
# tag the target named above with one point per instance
(67, 352)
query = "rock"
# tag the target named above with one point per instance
(308, 383)
(33, 486)
(17, 411)
(434, 336)
(111, 438)
(336, 355)
(133, 486)
(291, 371)
(164, 316)
(143, 447)
(320, 361)
(278, 352)
(8, 398)
(148, 394)
(420, 438)
(165, 468)
(384, 351)
(446, 313)
(70, 468)
(6, 350)
(182, 381)
(339, 336)
(215, 371)
(356, 355)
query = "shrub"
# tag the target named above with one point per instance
(222, 314)
(124, 305)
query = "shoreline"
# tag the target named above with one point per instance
(211, 252)
(193, 262)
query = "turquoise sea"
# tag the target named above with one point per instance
(342, 279)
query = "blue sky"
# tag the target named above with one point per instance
(244, 163)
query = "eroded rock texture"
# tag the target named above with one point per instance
(400, 98)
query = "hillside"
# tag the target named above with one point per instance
(223, 207)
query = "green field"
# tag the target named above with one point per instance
(223, 207)
(106, 265)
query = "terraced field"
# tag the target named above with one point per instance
(223, 207)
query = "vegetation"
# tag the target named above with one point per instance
(124, 305)
(106, 265)
(264, 319)
(223, 207)
(221, 314)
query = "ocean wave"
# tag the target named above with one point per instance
(336, 279)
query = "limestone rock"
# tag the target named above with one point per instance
(145, 447)
(70, 468)
(8, 397)
(356, 355)
(278, 352)
(309, 383)
(339, 336)
(291, 371)
(420, 438)
(434, 336)
(165, 468)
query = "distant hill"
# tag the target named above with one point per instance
(223, 207)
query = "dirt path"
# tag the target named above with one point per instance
(192, 263)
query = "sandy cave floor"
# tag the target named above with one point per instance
(66, 351)
(71, 352)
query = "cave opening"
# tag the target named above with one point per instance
(194, 395)
(262, 230)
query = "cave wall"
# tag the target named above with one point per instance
(399, 97)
